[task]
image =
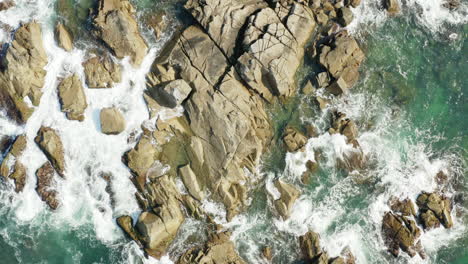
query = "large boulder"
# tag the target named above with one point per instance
(294, 140)
(159, 227)
(401, 232)
(289, 194)
(218, 249)
(63, 37)
(116, 26)
(45, 185)
(11, 166)
(434, 208)
(112, 121)
(404, 207)
(72, 98)
(101, 72)
(22, 72)
(341, 56)
(50, 143)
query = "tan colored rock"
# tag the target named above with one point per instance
(126, 223)
(294, 140)
(23, 73)
(115, 24)
(191, 182)
(343, 125)
(112, 121)
(140, 159)
(401, 233)
(267, 253)
(289, 195)
(170, 94)
(72, 98)
(50, 143)
(11, 167)
(338, 87)
(392, 6)
(440, 206)
(7, 4)
(101, 72)
(218, 249)
(345, 16)
(45, 185)
(404, 207)
(63, 37)
(310, 245)
(159, 228)
(342, 58)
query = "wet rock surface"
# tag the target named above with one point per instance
(288, 195)
(312, 252)
(434, 209)
(50, 143)
(11, 166)
(45, 185)
(72, 98)
(63, 37)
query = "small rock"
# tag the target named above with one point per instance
(401, 233)
(191, 182)
(72, 98)
(50, 143)
(345, 16)
(63, 38)
(321, 17)
(391, 6)
(45, 182)
(353, 3)
(101, 72)
(323, 79)
(294, 140)
(440, 206)
(310, 245)
(308, 88)
(112, 121)
(452, 4)
(404, 207)
(338, 87)
(267, 253)
(7, 4)
(289, 195)
(170, 94)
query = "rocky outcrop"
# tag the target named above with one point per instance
(140, 160)
(392, 6)
(22, 72)
(218, 249)
(289, 195)
(170, 94)
(72, 98)
(101, 72)
(159, 227)
(343, 125)
(345, 16)
(112, 121)
(341, 56)
(191, 182)
(401, 232)
(116, 26)
(313, 253)
(63, 37)
(11, 166)
(404, 207)
(45, 185)
(294, 140)
(434, 209)
(50, 143)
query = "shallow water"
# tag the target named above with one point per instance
(409, 105)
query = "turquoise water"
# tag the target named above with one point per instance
(410, 106)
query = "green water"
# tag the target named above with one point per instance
(413, 94)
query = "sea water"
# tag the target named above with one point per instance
(410, 107)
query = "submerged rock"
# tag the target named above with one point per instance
(72, 98)
(11, 166)
(112, 121)
(23, 72)
(289, 195)
(434, 208)
(218, 249)
(101, 72)
(50, 143)
(116, 26)
(63, 37)
(45, 185)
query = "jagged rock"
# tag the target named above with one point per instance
(50, 143)
(321, 17)
(402, 233)
(429, 220)
(126, 223)
(451, 4)
(156, 21)
(170, 94)
(310, 245)
(23, 72)
(63, 38)
(7, 4)
(342, 58)
(338, 87)
(294, 140)
(116, 25)
(392, 6)
(345, 16)
(101, 72)
(218, 249)
(159, 228)
(45, 189)
(72, 98)
(193, 206)
(112, 121)
(289, 195)
(440, 206)
(404, 207)
(323, 79)
(140, 159)
(343, 125)
(312, 168)
(353, 3)
(267, 253)
(308, 88)
(441, 177)
(11, 167)
(191, 182)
